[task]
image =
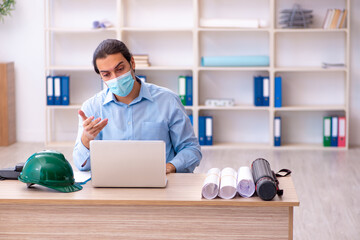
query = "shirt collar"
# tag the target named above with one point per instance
(144, 93)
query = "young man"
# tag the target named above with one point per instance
(133, 110)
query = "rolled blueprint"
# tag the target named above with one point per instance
(228, 183)
(245, 182)
(210, 188)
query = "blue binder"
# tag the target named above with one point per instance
(202, 129)
(208, 131)
(57, 90)
(258, 90)
(65, 96)
(334, 131)
(189, 91)
(49, 90)
(191, 119)
(142, 77)
(278, 92)
(277, 131)
(266, 91)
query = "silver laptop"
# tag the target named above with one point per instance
(117, 163)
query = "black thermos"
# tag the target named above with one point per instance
(264, 178)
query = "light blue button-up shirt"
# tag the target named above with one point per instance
(156, 114)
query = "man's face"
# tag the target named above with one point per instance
(113, 66)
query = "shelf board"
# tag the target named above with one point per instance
(75, 106)
(308, 30)
(164, 68)
(310, 69)
(80, 30)
(91, 68)
(237, 146)
(155, 29)
(292, 146)
(232, 29)
(245, 69)
(307, 146)
(70, 68)
(312, 108)
(244, 108)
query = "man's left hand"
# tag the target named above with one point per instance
(170, 168)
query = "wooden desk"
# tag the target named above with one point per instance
(175, 212)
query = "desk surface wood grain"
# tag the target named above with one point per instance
(182, 189)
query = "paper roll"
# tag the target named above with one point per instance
(211, 184)
(227, 183)
(245, 182)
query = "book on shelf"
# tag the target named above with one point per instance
(277, 131)
(142, 77)
(141, 60)
(258, 85)
(266, 91)
(182, 89)
(278, 92)
(186, 90)
(261, 91)
(342, 132)
(202, 130)
(141, 57)
(189, 91)
(334, 19)
(334, 131)
(208, 130)
(64, 89)
(205, 130)
(57, 90)
(191, 119)
(49, 90)
(327, 132)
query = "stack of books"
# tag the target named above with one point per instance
(335, 18)
(334, 130)
(141, 60)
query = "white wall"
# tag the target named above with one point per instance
(22, 41)
(354, 134)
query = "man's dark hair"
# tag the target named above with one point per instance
(108, 47)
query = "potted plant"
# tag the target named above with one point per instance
(6, 6)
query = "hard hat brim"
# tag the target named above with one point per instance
(66, 189)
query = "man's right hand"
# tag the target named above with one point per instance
(91, 128)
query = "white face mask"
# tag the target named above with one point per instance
(121, 85)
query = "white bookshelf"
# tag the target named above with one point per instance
(170, 33)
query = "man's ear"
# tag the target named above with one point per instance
(132, 63)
